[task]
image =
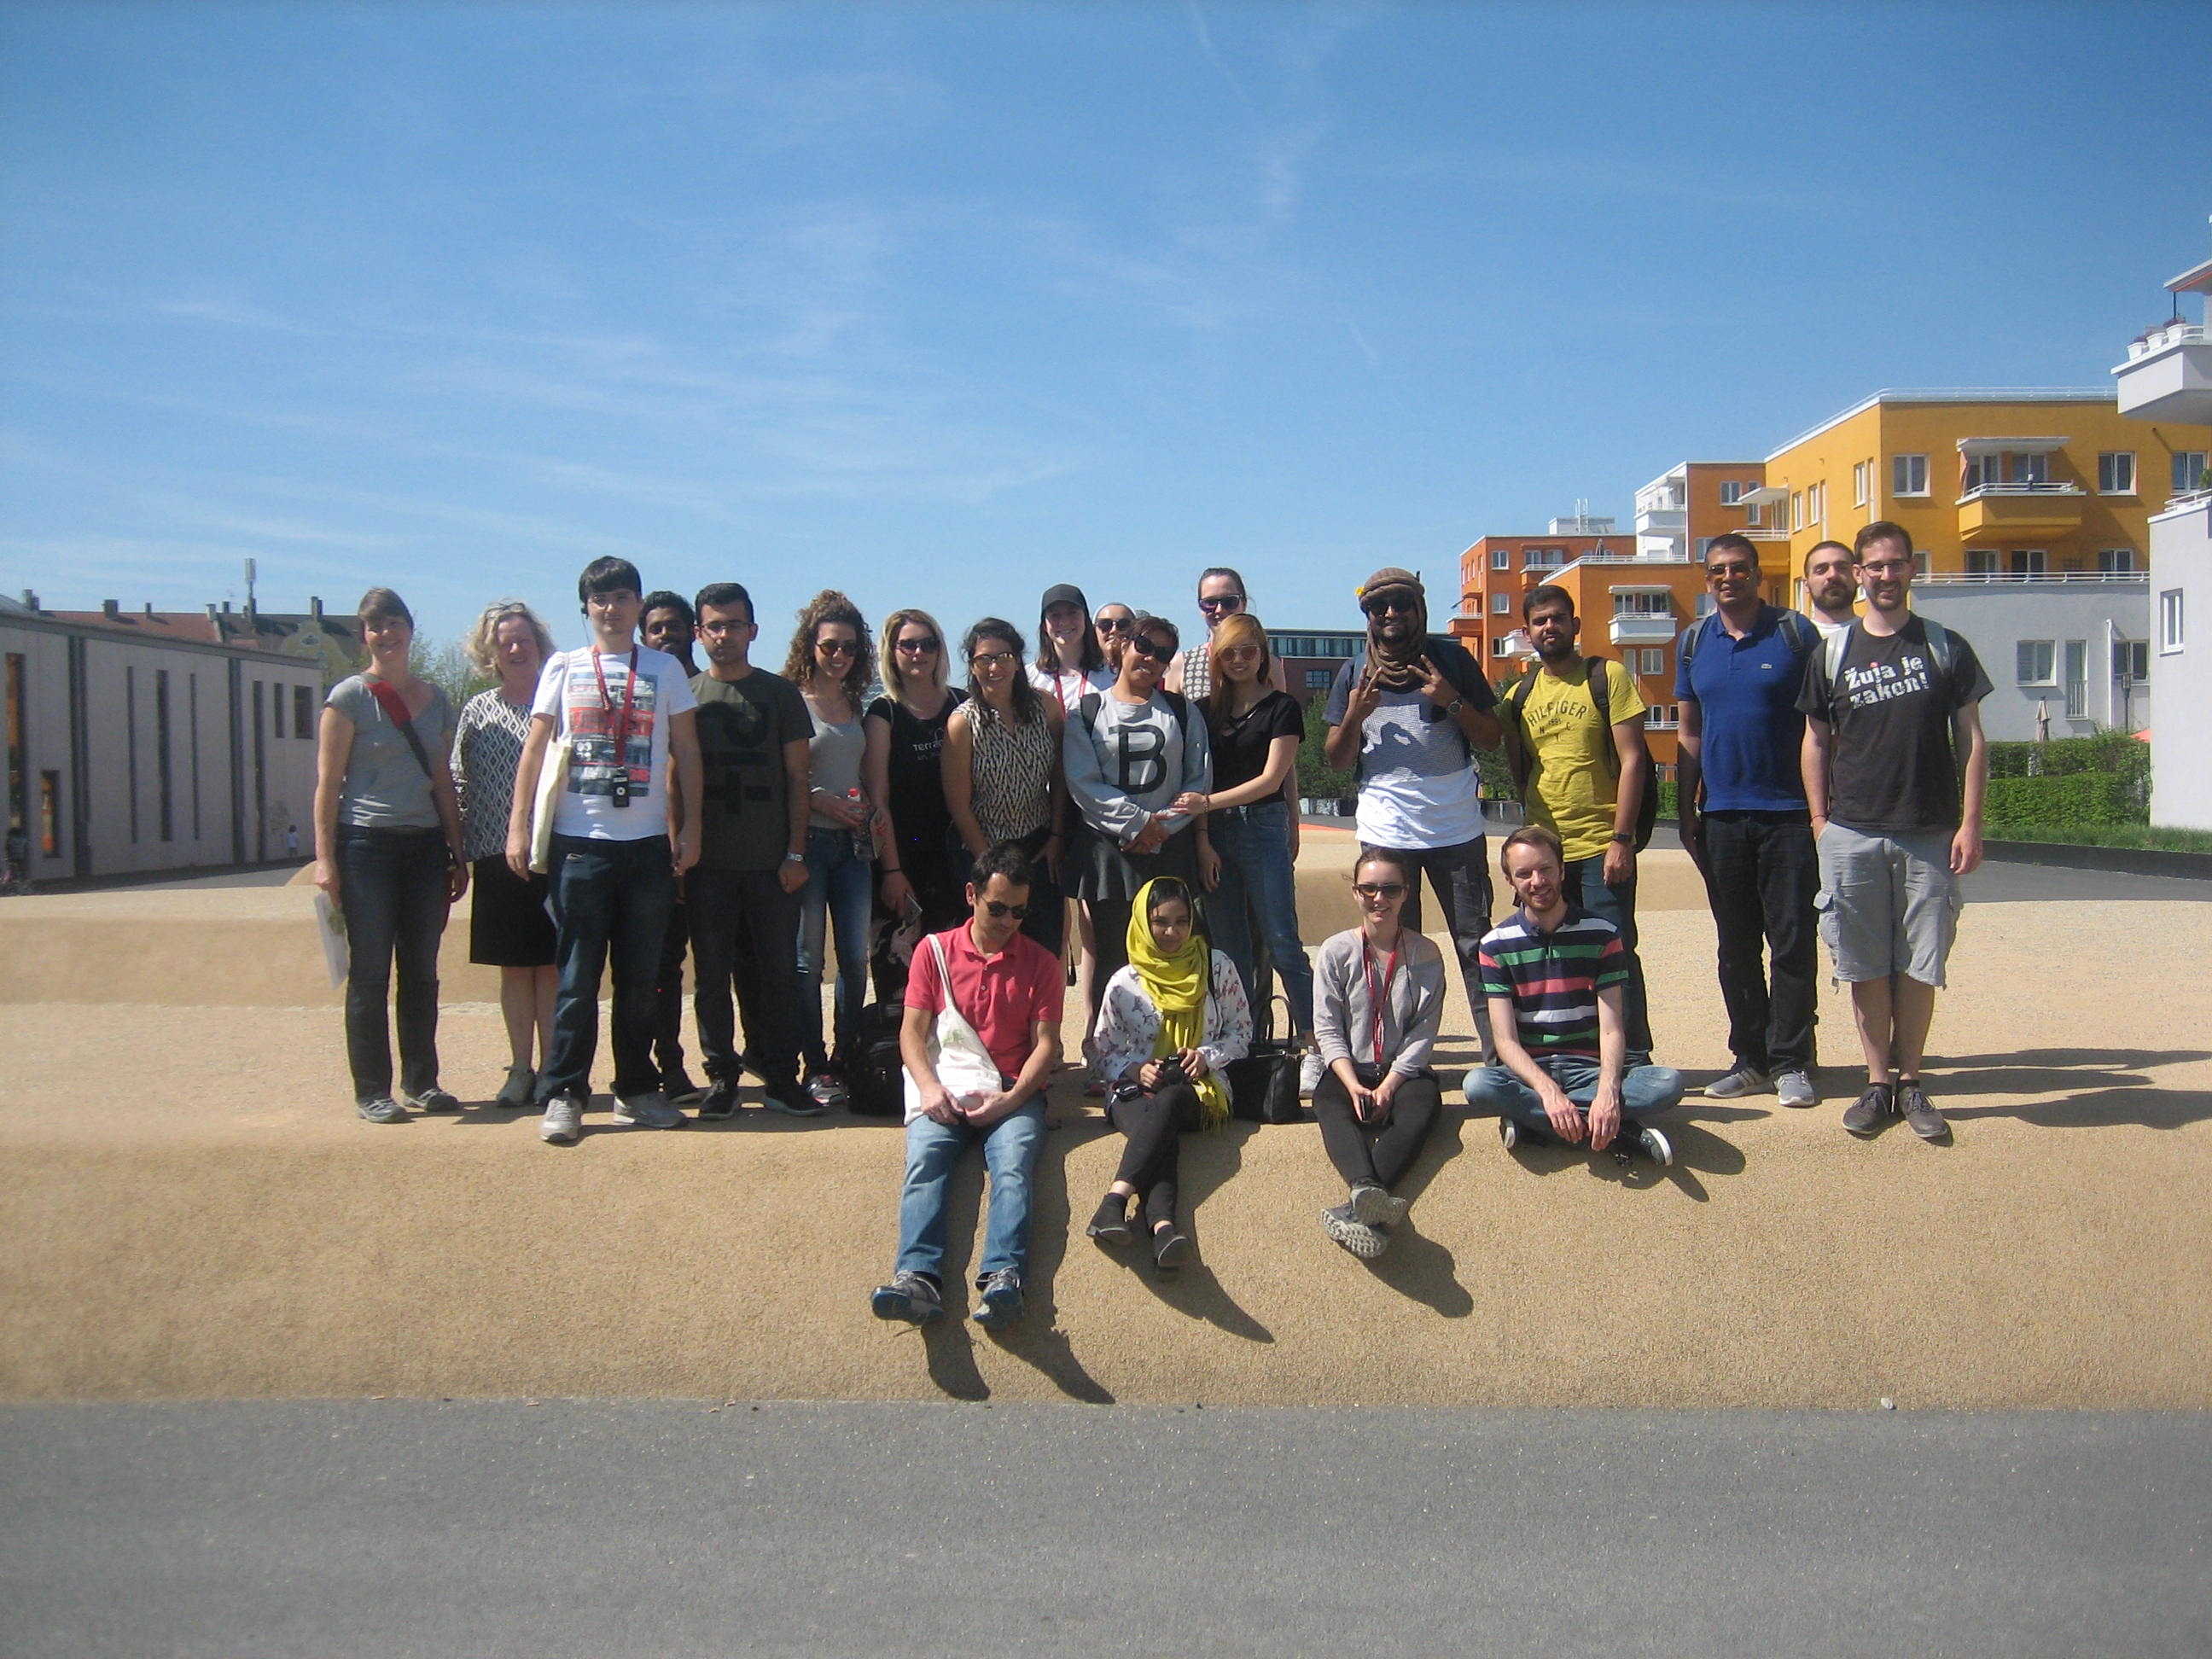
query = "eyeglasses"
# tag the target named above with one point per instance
(1116, 624)
(835, 647)
(922, 646)
(992, 658)
(1730, 572)
(1001, 911)
(1390, 602)
(1378, 889)
(1157, 650)
(1888, 566)
(1227, 602)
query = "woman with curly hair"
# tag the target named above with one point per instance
(508, 927)
(1002, 775)
(830, 663)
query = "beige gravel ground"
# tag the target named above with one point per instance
(190, 1209)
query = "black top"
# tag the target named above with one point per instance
(744, 725)
(920, 816)
(1891, 768)
(1240, 750)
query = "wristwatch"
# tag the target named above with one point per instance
(1625, 841)
(795, 858)
(1453, 707)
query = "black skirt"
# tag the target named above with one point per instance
(1097, 869)
(507, 924)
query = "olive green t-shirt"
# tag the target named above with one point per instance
(745, 818)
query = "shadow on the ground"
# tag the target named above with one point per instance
(2120, 1091)
(1418, 1267)
(1206, 1161)
(1695, 1151)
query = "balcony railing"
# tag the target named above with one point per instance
(2023, 487)
(2018, 578)
(2172, 334)
(1635, 558)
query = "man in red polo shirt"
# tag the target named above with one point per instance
(981, 1039)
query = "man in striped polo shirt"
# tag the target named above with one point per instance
(1553, 976)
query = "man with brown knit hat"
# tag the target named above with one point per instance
(1409, 713)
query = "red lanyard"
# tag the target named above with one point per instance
(629, 692)
(1376, 1004)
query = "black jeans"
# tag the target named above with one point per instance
(1149, 1162)
(1461, 876)
(668, 993)
(392, 889)
(611, 900)
(1376, 1154)
(1585, 885)
(1762, 876)
(744, 934)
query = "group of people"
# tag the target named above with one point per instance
(617, 806)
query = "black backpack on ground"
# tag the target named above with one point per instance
(875, 1076)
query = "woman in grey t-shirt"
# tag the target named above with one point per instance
(388, 853)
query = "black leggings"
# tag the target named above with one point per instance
(1376, 1153)
(1148, 1162)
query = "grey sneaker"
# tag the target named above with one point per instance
(1354, 1235)
(826, 1087)
(908, 1297)
(520, 1088)
(564, 1121)
(1863, 1116)
(648, 1110)
(1922, 1118)
(1796, 1089)
(435, 1099)
(383, 1110)
(1000, 1304)
(1376, 1207)
(1743, 1080)
(1652, 1143)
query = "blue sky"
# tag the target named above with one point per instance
(941, 303)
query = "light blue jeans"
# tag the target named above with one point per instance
(1010, 1154)
(837, 891)
(1645, 1089)
(1257, 883)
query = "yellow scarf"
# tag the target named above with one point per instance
(1177, 986)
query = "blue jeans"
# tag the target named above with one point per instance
(837, 890)
(1257, 884)
(1010, 1153)
(1584, 884)
(1643, 1090)
(391, 890)
(611, 899)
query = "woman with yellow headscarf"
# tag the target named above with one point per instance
(1168, 1022)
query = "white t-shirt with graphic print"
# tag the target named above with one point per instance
(571, 690)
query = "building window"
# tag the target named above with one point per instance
(1663, 716)
(1317, 679)
(1502, 604)
(2188, 471)
(2077, 679)
(1732, 495)
(1502, 646)
(2116, 561)
(1705, 605)
(19, 808)
(2028, 562)
(1652, 661)
(1816, 502)
(1641, 604)
(1543, 558)
(303, 712)
(1796, 510)
(192, 713)
(2038, 662)
(1859, 471)
(50, 814)
(2116, 472)
(2131, 661)
(1908, 474)
(2170, 620)
(1501, 558)
(131, 744)
(164, 773)
(1981, 562)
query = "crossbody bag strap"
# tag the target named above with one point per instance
(395, 710)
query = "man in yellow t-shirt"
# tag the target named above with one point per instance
(1583, 775)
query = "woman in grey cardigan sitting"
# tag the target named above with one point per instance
(1378, 1003)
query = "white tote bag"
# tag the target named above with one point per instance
(552, 777)
(963, 1065)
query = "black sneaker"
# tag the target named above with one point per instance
(1863, 1116)
(720, 1100)
(908, 1297)
(791, 1100)
(1000, 1304)
(1923, 1119)
(680, 1088)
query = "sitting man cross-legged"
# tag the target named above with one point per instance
(981, 1038)
(1553, 975)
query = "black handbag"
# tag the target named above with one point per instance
(1263, 1086)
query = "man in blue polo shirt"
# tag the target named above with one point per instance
(1745, 821)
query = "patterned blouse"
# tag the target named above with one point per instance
(1011, 784)
(1129, 1022)
(487, 750)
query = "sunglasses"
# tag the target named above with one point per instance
(1116, 624)
(1157, 650)
(1377, 890)
(992, 658)
(1234, 601)
(835, 647)
(922, 646)
(1721, 572)
(1001, 911)
(1403, 607)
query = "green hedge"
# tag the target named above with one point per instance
(2067, 797)
(2117, 753)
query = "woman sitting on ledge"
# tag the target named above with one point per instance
(1168, 1023)
(1378, 1003)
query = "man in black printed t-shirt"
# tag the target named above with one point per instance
(1892, 710)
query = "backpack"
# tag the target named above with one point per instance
(1600, 691)
(874, 1072)
(1178, 705)
(1803, 637)
(1831, 660)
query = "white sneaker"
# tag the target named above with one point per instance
(1310, 1068)
(1796, 1089)
(564, 1121)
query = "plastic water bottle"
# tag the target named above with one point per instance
(864, 841)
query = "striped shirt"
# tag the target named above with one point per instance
(1553, 978)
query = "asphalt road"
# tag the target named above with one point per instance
(663, 1528)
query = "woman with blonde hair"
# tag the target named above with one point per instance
(902, 770)
(508, 927)
(828, 662)
(388, 853)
